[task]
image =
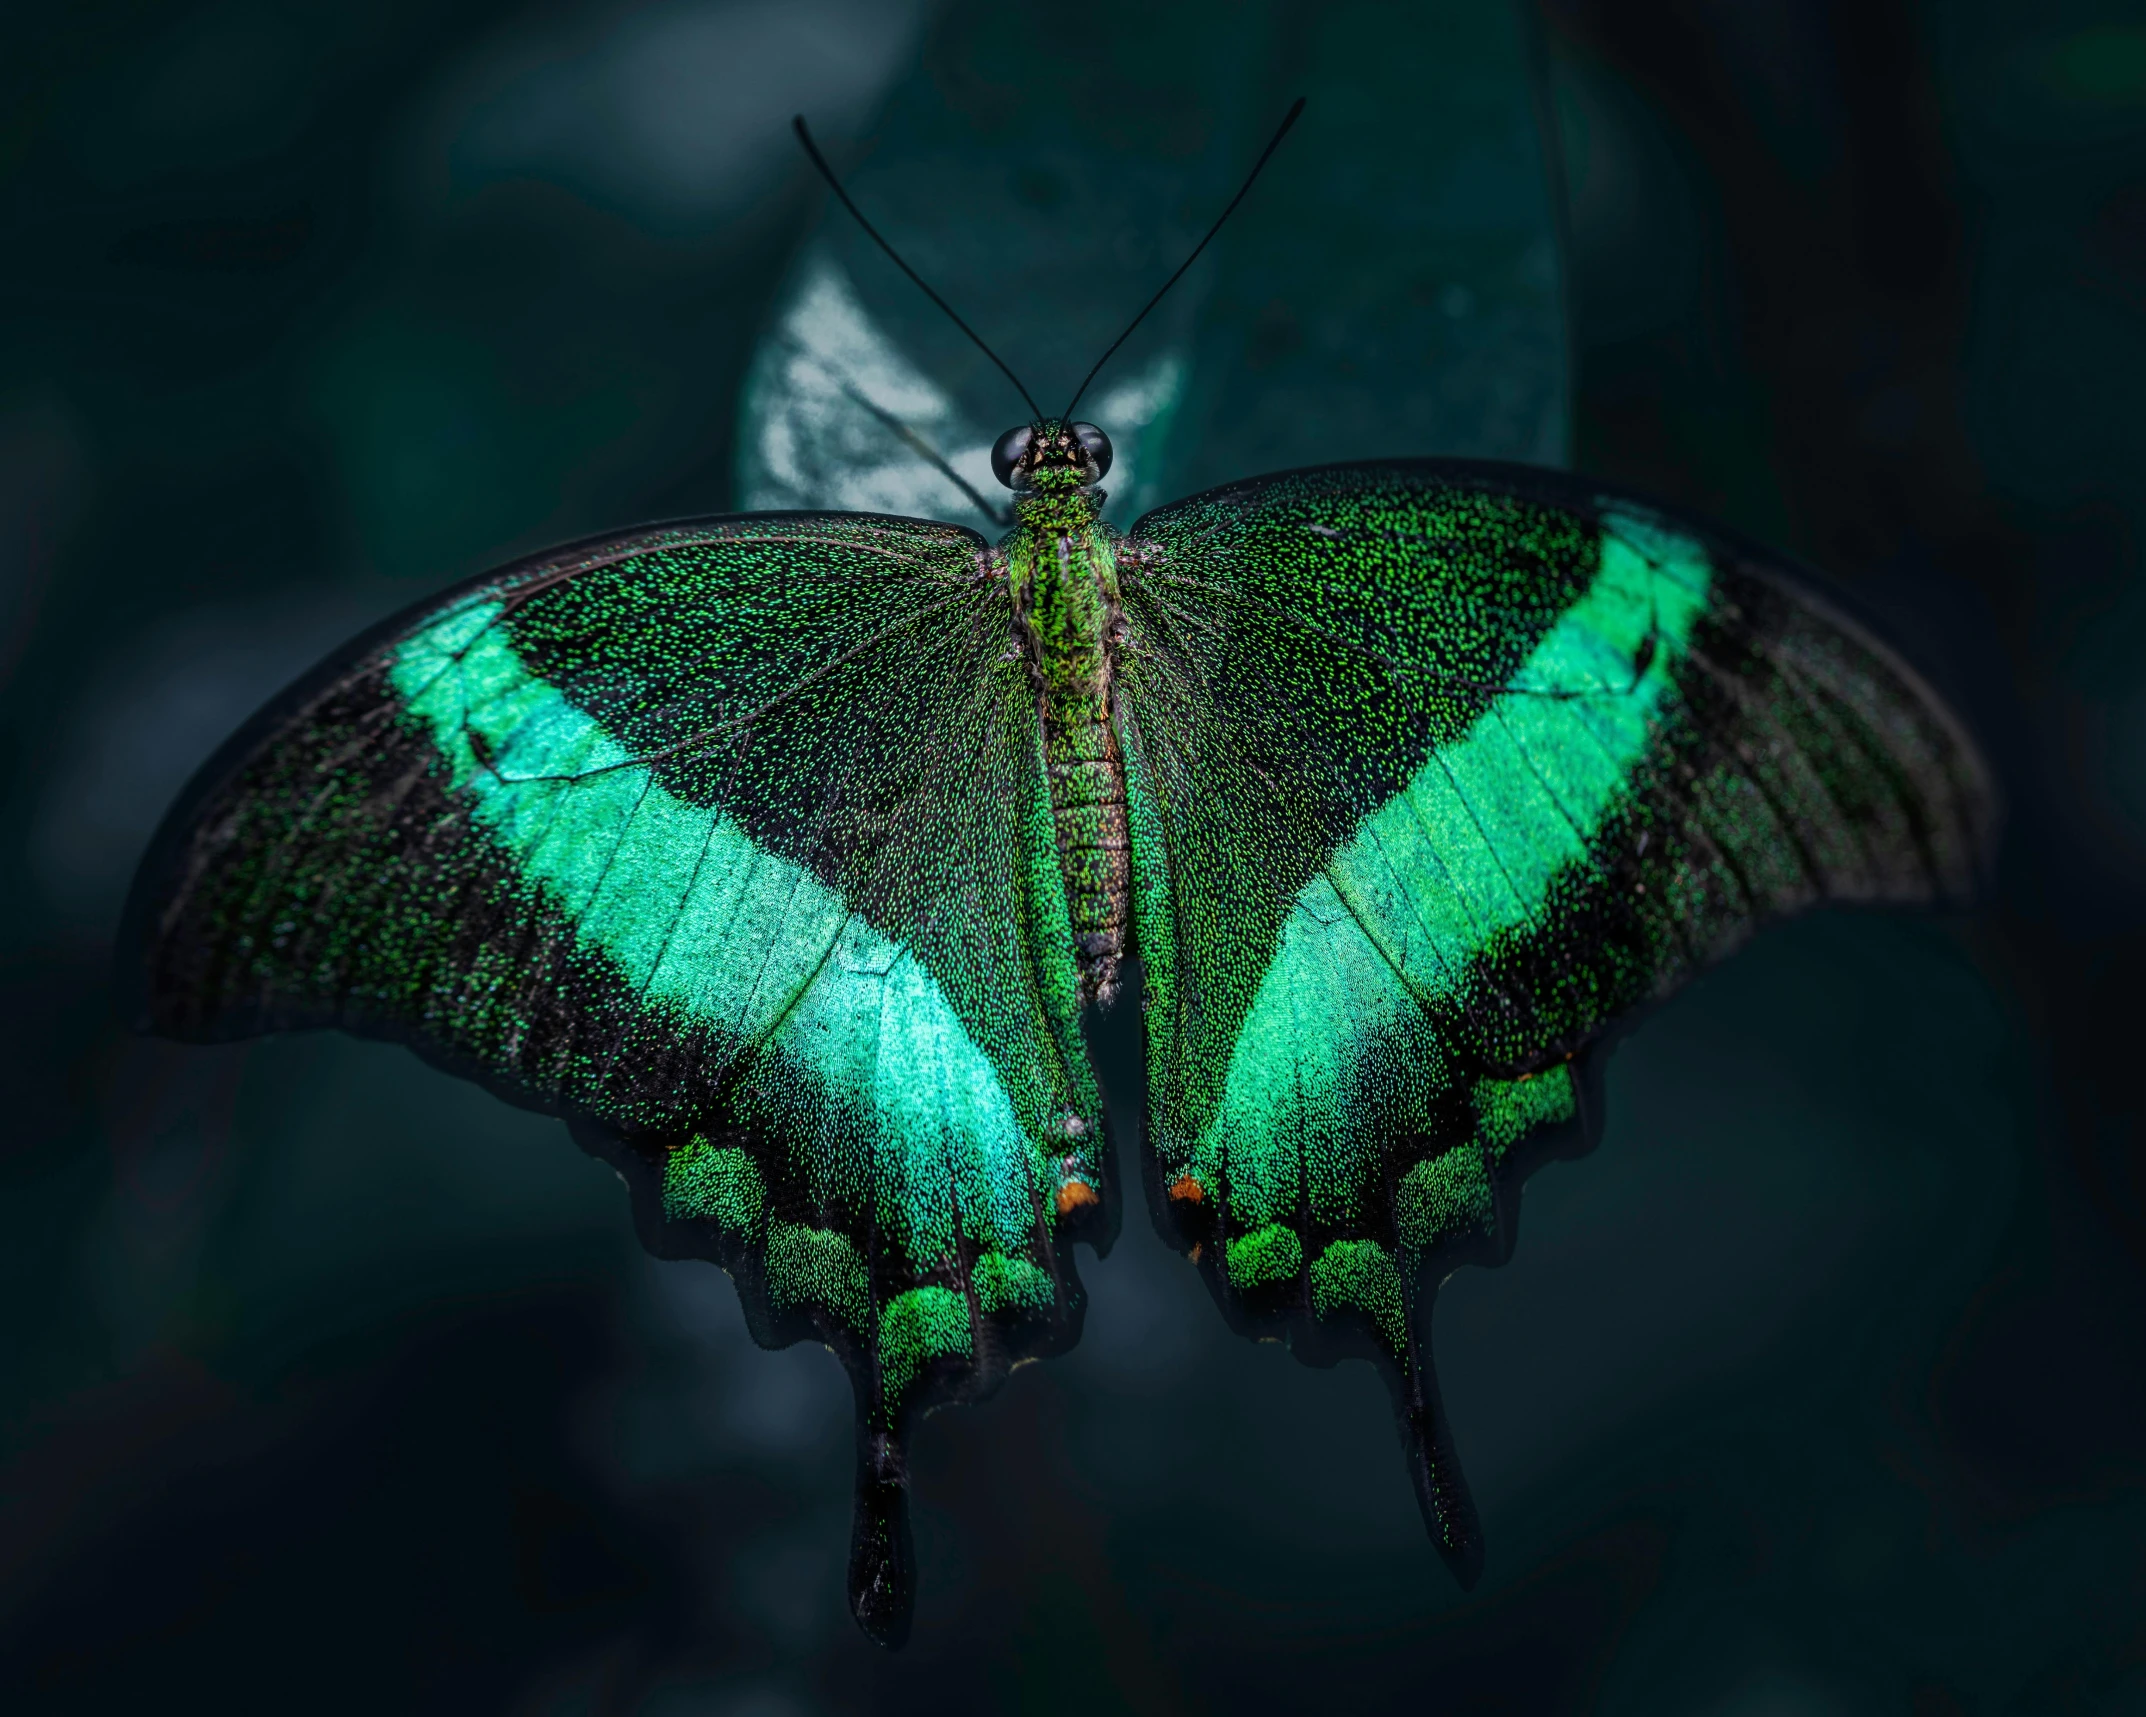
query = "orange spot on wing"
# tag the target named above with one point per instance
(1073, 1195)
(1186, 1190)
(1194, 1254)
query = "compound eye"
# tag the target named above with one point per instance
(1011, 448)
(1095, 444)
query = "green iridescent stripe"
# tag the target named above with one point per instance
(1466, 853)
(709, 926)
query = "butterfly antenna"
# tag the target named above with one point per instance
(1288, 119)
(828, 173)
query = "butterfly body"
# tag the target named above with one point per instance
(1061, 562)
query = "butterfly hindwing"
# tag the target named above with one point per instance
(1436, 770)
(730, 843)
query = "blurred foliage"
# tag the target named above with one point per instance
(1392, 286)
(1819, 1387)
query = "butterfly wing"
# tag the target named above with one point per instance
(729, 842)
(1437, 770)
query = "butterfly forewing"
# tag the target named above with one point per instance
(1435, 770)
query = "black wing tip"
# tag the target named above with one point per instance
(1464, 1559)
(1441, 1488)
(885, 1627)
(1963, 789)
(882, 1556)
(1449, 1513)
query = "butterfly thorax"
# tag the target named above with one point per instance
(1061, 560)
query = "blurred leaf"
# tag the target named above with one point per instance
(1391, 287)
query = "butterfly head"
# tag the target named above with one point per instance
(1051, 455)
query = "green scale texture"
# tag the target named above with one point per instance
(770, 851)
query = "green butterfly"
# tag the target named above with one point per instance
(784, 853)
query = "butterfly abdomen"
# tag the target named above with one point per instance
(1087, 781)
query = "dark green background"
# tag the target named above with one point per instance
(331, 1384)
